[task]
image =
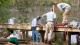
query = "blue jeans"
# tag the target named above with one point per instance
(35, 35)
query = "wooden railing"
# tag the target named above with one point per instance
(25, 26)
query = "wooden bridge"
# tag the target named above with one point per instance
(27, 27)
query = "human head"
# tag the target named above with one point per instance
(38, 17)
(54, 6)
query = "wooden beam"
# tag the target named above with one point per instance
(28, 27)
(68, 30)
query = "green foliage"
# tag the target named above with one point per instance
(23, 19)
(4, 10)
(24, 5)
(67, 1)
(74, 44)
(59, 38)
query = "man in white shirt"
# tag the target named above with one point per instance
(51, 16)
(65, 8)
(35, 34)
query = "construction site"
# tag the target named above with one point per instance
(19, 27)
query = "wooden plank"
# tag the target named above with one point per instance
(26, 26)
(16, 26)
(68, 30)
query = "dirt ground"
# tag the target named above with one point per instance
(31, 43)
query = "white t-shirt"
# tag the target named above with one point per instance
(11, 21)
(62, 6)
(34, 22)
(50, 16)
(14, 35)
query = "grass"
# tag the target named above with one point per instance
(73, 44)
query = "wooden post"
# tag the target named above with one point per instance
(23, 33)
(78, 39)
(42, 35)
(69, 39)
(65, 38)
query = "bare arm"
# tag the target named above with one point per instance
(43, 15)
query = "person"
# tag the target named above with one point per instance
(35, 34)
(13, 39)
(65, 8)
(51, 16)
(12, 21)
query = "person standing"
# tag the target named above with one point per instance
(65, 8)
(51, 16)
(35, 33)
